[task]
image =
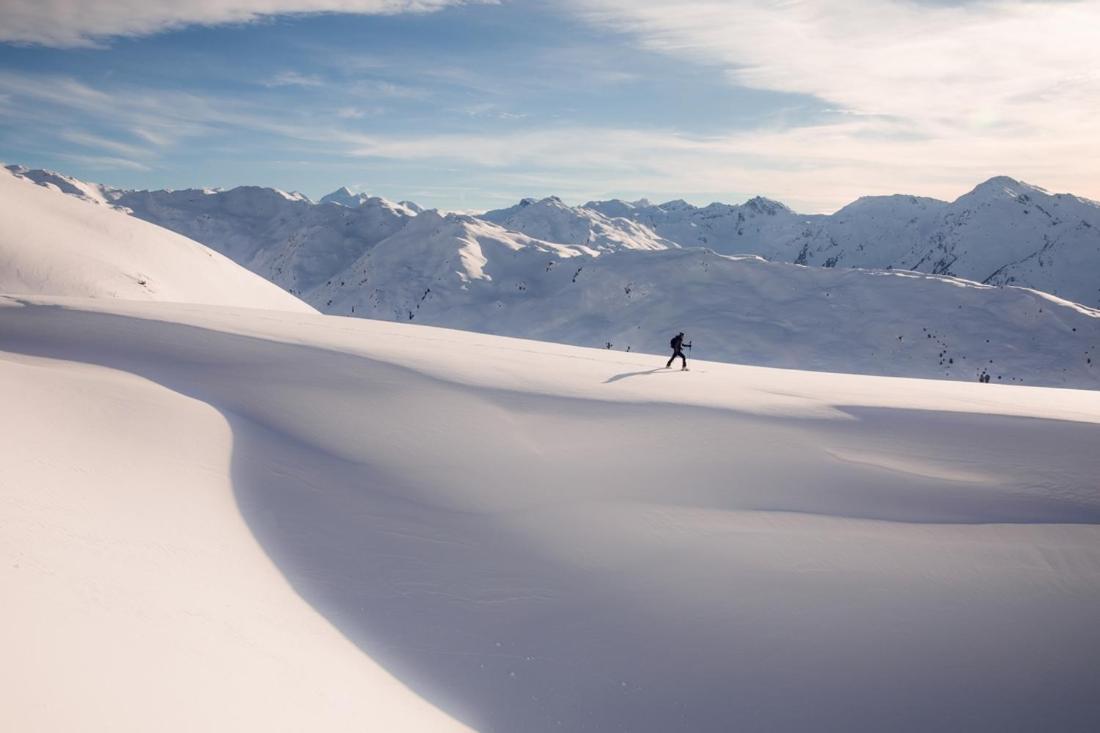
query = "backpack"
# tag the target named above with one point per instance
(672, 344)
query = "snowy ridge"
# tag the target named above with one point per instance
(344, 197)
(1004, 232)
(289, 240)
(52, 244)
(553, 221)
(59, 182)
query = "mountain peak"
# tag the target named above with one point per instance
(999, 186)
(767, 206)
(343, 196)
(998, 181)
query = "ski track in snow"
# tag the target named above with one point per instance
(538, 537)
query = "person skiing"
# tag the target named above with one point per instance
(677, 345)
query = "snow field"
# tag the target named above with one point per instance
(533, 536)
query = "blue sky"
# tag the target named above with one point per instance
(470, 106)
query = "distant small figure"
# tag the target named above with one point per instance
(677, 345)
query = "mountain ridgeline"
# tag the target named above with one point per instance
(1004, 232)
(892, 285)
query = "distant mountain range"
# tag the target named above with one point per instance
(1004, 232)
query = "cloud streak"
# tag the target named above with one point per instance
(75, 23)
(998, 86)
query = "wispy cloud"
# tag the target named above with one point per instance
(161, 117)
(71, 23)
(995, 86)
(492, 110)
(103, 162)
(294, 79)
(99, 143)
(968, 64)
(355, 113)
(152, 136)
(815, 169)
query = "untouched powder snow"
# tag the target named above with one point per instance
(61, 245)
(526, 536)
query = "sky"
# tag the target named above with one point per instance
(473, 105)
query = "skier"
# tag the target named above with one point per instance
(677, 345)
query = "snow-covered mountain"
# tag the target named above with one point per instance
(603, 287)
(214, 518)
(1002, 232)
(737, 309)
(344, 197)
(442, 259)
(553, 221)
(284, 237)
(51, 244)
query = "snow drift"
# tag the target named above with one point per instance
(531, 537)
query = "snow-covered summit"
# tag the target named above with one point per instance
(1004, 186)
(61, 182)
(343, 196)
(552, 220)
(888, 206)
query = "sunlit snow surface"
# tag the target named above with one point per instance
(222, 518)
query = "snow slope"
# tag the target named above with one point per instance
(531, 537)
(59, 245)
(741, 310)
